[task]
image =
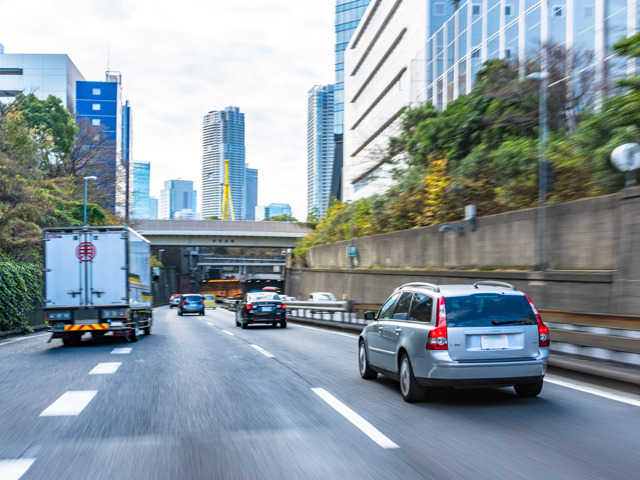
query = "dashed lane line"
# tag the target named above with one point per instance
(325, 330)
(105, 368)
(69, 403)
(262, 351)
(121, 351)
(228, 332)
(581, 387)
(365, 427)
(13, 469)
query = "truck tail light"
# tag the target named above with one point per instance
(544, 338)
(437, 338)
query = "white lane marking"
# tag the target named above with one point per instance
(14, 469)
(210, 323)
(105, 368)
(365, 427)
(22, 338)
(121, 351)
(69, 403)
(227, 332)
(610, 395)
(262, 351)
(325, 330)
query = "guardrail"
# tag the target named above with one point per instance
(598, 344)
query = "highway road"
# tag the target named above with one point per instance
(202, 399)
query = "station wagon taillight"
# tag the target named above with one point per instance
(283, 306)
(248, 306)
(543, 330)
(437, 338)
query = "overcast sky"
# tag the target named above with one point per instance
(180, 59)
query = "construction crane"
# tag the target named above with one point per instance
(227, 201)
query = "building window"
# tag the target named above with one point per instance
(96, 91)
(507, 53)
(588, 11)
(438, 9)
(475, 10)
(557, 11)
(95, 122)
(475, 53)
(95, 106)
(507, 10)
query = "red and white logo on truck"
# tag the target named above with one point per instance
(86, 251)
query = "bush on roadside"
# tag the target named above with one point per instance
(20, 291)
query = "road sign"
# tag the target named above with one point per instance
(86, 251)
(626, 158)
(352, 251)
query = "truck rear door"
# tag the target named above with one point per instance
(64, 273)
(108, 269)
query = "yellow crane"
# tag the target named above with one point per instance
(227, 201)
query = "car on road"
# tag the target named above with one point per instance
(322, 297)
(487, 334)
(260, 308)
(191, 303)
(174, 300)
(210, 301)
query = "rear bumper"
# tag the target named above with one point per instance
(444, 371)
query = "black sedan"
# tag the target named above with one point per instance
(261, 307)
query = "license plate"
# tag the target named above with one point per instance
(266, 309)
(493, 342)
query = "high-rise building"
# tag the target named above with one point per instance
(175, 196)
(251, 193)
(99, 104)
(153, 208)
(348, 15)
(140, 202)
(320, 148)
(40, 74)
(223, 139)
(273, 210)
(411, 52)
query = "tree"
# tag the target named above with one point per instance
(281, 218)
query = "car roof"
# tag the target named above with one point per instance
(460, 289)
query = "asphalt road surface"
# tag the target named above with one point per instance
(202, 399)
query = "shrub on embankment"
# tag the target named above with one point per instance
(20, 292)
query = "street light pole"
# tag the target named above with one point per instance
(543, 78)
(86, 179)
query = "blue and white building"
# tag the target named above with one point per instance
(320, 148)
(141, 200)
(177, 196)
(348, 15)
(272, 210)
(251, 193)
(223, 139)
(40, 74)
(409, 52)
(153, 208)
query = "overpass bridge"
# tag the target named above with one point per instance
(207, 233)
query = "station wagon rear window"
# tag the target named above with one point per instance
(488, 310)
(192, 299)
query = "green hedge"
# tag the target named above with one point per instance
(20, 291)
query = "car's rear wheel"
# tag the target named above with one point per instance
(243, 325)
(528, 390)
(133, 335)
(366, 371)
(283, 324)
(409, 388)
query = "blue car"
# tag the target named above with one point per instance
(191, 303)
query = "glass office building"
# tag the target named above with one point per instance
(320, 148)
(40, 74)
(251, 193)
(140, 201)
(223, 139)
(277, 209)
(177, 195)
(348, 15)
(153, 208)
(516, 30)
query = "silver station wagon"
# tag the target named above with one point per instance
(487, 334)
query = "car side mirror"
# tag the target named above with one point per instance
(369, 315)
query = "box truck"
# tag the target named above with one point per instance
(97, 280)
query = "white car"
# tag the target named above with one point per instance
(321, 297)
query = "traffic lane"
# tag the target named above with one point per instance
(191, 402)
(33, 374)
(576, 434)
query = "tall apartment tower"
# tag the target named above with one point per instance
(348, 15)
(320, 148)
(176, 195)
(223, 138)
(251, 194)
(140, 199)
